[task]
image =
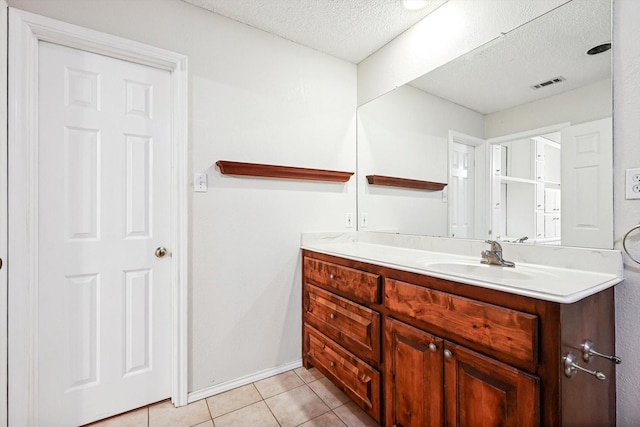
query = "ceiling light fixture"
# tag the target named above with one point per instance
(415, 4)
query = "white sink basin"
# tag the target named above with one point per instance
(486, 272)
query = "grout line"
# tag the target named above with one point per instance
(238, 408)
(267, 405)
(209, 409)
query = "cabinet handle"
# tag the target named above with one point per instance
(433, 347)
(332, 316)
(588, 352)
(571, 368)
(448, 354)
(332, 364)
(331, 276)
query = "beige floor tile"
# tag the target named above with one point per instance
(206, 424)
(231, 400)
(296, 406)
(256, 415)
(308, 375)
(138, 418)
(353, 416)
(329, 393)
(326, 420)
(278, 384)
(166, 415)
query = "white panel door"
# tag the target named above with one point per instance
(461, 190)
(103, 297)
(587, 185)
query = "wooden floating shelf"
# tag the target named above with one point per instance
(391, 181)
(288, 172)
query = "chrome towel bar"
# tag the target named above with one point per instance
(624, 243)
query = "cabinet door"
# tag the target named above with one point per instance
(480, 391)
(413, 376)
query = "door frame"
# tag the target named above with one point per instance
(4, 10)
(26, 30)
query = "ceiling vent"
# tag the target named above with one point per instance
(553, 81)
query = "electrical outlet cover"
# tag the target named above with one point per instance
(632, 183)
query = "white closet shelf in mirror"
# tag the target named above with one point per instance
(391, 181)
(505, 178)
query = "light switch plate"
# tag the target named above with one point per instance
(348, 220)
(200, 182)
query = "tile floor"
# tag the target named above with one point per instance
(300, 397)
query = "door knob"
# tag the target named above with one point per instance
(161, 252)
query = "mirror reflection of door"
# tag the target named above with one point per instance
(587, 177)
(462, 189)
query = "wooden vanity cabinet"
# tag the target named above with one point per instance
(422, 351)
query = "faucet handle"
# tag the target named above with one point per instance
(495, 246)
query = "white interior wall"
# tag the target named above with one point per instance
(457, 27)
(626, 146)
(405, 134)
(592, 102)
(253, 97)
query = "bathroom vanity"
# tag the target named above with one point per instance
(419, 338)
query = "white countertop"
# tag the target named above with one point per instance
(563, 285)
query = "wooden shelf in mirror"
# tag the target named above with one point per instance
(275, 171)
(391, 181)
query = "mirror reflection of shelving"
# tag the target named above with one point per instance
(526, 189)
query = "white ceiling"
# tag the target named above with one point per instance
(347, 29)
(499, 75)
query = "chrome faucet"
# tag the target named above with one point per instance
(494, 256)
(521, 240)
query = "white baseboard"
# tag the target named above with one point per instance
(248, 379)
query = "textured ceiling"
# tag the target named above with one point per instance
(347, 29)
(498, 75)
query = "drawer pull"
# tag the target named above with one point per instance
(332, 316)
(433, 347)
(448, 354)
(331, 276)
(332, 364)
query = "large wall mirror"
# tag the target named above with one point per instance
(519, 130)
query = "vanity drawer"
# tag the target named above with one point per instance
(503, 331)
(352, 325)
(352, 375)
(362, 286)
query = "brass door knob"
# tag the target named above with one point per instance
(161, 252)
